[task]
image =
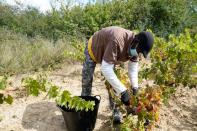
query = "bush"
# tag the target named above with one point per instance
(162, 16)
(173, 61)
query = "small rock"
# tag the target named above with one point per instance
(14, 116)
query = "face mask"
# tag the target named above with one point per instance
(133, 52)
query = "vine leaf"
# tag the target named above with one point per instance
(3, 83)
(9, 99)
(53, 92)
(63, 98)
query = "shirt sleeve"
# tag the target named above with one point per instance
(110, 76)
(133, 73)
(111, 52)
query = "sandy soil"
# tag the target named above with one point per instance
(36, 114)
(181, 112)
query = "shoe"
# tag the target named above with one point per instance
(117, 116)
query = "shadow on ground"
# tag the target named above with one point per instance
(43, 116)
(107, 125)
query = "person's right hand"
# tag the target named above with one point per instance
(125, 98)
(135, 91)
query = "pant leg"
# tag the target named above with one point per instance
(87, 74)
(116, 114)
(114, 107)
(113, 104)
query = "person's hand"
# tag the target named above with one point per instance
(125, 98)
(135, 90)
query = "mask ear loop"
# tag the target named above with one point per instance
(135, 41)
(132, 50)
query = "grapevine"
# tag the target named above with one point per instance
(147, 104)
(78, 51)
(173, 62)
(35, 86)
(4, 94)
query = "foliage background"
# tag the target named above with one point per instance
(163, 17)
(31, 39)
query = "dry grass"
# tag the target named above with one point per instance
(19, 53)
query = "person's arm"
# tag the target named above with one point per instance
(108, 72)
(107, 68)
(133, 75)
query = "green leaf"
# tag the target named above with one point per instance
(35, 86)
(53, 92)
(9, 99)
(1, 98)
(2, 83)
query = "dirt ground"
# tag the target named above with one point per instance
(36, 114)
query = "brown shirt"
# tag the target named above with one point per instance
(111, 44)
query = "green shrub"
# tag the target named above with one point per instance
(162, 16)
(173, 61)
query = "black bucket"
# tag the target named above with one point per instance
(81, 120)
